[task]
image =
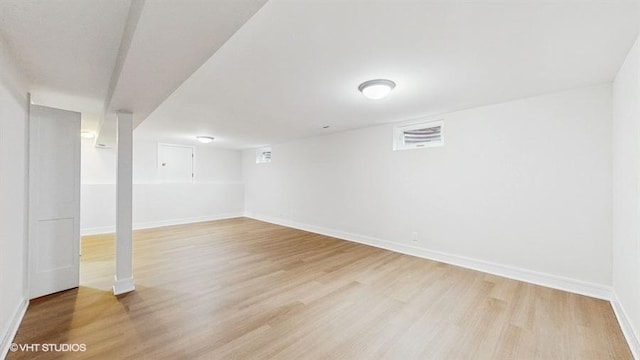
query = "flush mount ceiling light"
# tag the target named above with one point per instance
(87, 134)
(204, 139)
(376, 89)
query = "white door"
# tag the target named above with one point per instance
(175, 163)
(54, 200)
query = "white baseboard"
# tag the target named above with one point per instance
(170, 222)
(98, 230)
(123, 286)
(529, 276)
(161, 223)
(12, 330)
(629, 332)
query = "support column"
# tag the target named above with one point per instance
(124, 205)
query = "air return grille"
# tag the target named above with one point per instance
(263, 155)
(417, 135)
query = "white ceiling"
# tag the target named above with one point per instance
(171, 39)
(109, 55)
(67, 49)
(295, 66)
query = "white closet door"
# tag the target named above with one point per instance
(54, 200)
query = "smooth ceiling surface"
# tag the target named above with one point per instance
(96, 55)
(295, 66)
(67, 48)
(172, 39)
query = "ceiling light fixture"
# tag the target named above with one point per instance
(204, 139)
(376, 89)
(87, 134)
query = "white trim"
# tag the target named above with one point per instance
(625, 324)
(27, 181)
(98, 230)
(161, 223)
(123, 286)
(12, 330)
(534, 277)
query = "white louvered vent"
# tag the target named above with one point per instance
(263, 155)
(418, 135)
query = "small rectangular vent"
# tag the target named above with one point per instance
(417, 135)
(263, 155)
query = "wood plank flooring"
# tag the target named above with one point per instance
(244, 289)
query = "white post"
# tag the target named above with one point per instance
(124, 205)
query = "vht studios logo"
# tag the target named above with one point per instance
(48, 347)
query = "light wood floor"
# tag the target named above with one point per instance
(243, 289)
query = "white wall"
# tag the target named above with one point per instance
(13, 195)
(216, 193)
(626, 196)
(98, 166)
(525, 185)
(213, 165)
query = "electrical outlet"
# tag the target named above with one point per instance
(414, 236)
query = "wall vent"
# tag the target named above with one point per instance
(418, 135)
(263, 155)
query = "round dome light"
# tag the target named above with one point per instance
(204, 139)
(87, 134)
(376, 89)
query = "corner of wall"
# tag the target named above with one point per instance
(15, 100)
(625, 324)
(12, 330)
(13, 78)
